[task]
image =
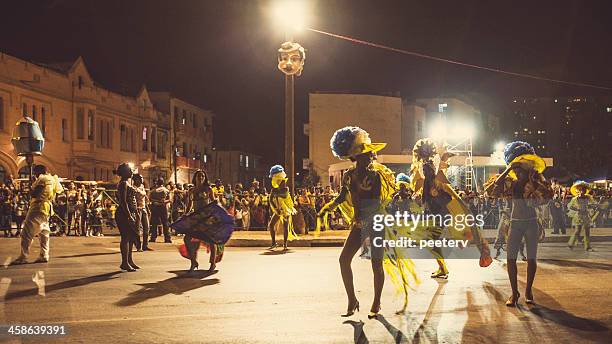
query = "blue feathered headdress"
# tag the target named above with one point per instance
(516, 149)
(402, 178)
(351, 141)
(276, 169)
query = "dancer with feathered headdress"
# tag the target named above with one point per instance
(430, 183)
(523, 181)
(366, 191)
(281, 206)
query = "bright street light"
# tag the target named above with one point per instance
(290, 14)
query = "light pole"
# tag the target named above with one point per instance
(28, 141)
(291, 58)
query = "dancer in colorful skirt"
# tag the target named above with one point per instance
(439, 198)
(281, 207)
(579, 210)
(205, 223)
(367, 190)
(524, 183)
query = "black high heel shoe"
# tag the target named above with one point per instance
(194, 266)
(126, 267)
(134, 265)
(351, 311)
(513, 300)
(374, 315)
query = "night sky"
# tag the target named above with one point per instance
(221, 55)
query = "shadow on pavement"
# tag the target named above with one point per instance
(566, 319)
(87, 255)
(275, 253)
(428, 330)
(398, 336)
(358, 335)
(63, 285)
(193, 274)
(578, 264)
(176, 285)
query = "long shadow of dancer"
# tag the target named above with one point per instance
(429, 327)
(63, 285)
(358, 334)
(176, 285)
(398, 336)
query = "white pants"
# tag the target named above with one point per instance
(35, 224)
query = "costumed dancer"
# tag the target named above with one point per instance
(439, 198)
(524, 182)
(126, 217)
(281, 207)
(579, 211)
(367, 189)
(206, 223)
(36, 223)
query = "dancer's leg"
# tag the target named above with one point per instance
(351, 246)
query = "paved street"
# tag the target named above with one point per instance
(262, 297)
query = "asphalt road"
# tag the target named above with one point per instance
(262, 297)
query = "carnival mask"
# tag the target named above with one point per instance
(291, 58)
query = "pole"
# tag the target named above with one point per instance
(173, 122)
(289, 119)
(289, 140)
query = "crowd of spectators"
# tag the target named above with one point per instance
(87, 209)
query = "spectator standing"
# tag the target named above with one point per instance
(160, 198)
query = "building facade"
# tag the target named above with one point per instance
(88, 129)
(577, 131)
(387, 119)
(233, 166)
(191, 134)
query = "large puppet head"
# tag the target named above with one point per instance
(291, 57)
(351, 141)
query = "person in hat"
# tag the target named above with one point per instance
(579, 211)
(524, 183)
(367, 189)
(160, 199)
(281, 207)
(439, 199)
(36, 223)
(126, 216)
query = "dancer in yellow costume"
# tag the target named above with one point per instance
(366, 191)
(439, 198)
(281, 206)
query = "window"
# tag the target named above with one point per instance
(90, 125)
(80, 82)
(184, 117)
(176, 114)
(145, 139)
(64, 130)
(109, 135)
(241, 160)
(162, 139)
(419, 126)
(185, 151)
(247, 161)
(154, 139)
(609, 109)
(132, 141)
(194, 120)
(43, 120)
(123, 138)
(24, 109)
(442, 107)
(34, 114)
(80, 122)
(1, 113)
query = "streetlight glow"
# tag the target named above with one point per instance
(499, 146)
(290, 14)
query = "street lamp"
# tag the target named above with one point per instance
(28, 140)
(291, 56)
